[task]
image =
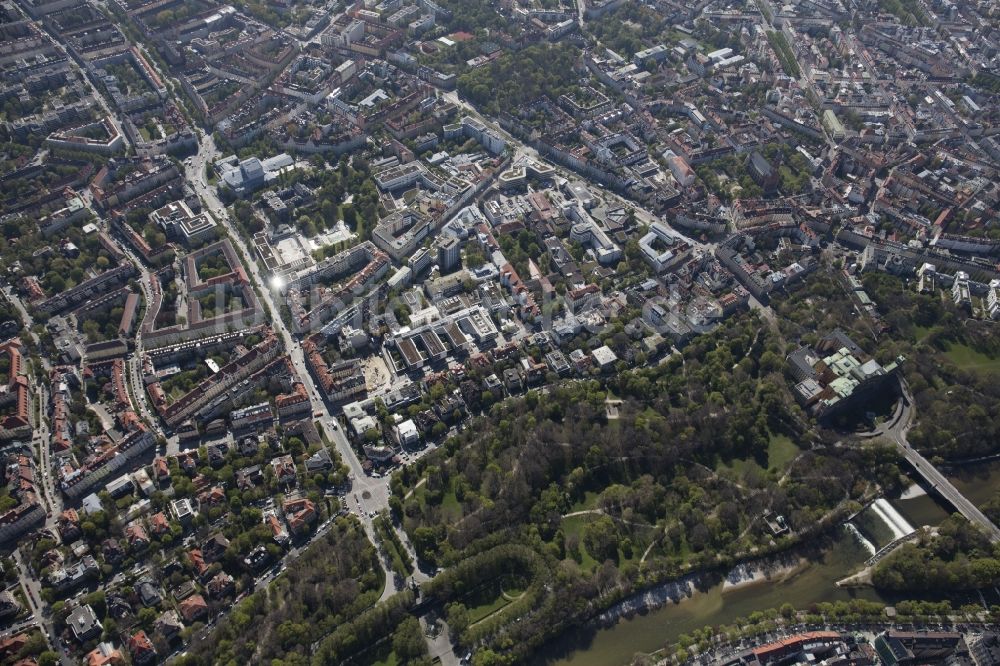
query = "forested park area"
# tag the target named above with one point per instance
(548, 508)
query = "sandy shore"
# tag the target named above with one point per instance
(914, 490)
(753, 573)
(861, 579)
(672, 592)
(660, 595)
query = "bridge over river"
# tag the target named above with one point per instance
(943, 487)
(938, 482)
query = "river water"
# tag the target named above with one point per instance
(814, 582)
(978, 482)
(616, 645)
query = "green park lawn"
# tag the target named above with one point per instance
(967, 358)
(920, 332)
(485, 601)
(449, 503)
(384, 655)
(781, 450)
(574, 526)
(587, 502)
(388, 660)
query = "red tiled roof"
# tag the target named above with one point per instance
(159, 523)
(140, 643)
(790, 641)
(197, 561)
(193, 607)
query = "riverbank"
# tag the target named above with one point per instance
(656, 597)
(647, 621)
(861, 579)
(767, 571)
(871, 625)
(775, 569)
(840, 555)
(913, 491)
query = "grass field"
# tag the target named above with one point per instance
(574, 526)
(780, 451)
(737, 465)
(588, 501)
(449, 503)
(485, 601)
(512, 592)
(387, 660)
(968, 358)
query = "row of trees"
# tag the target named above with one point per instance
(367, 629)
(784, 52)
(397, 555)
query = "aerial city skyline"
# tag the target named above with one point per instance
(555, 332)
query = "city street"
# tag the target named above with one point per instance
(33, 590)
(373, 493)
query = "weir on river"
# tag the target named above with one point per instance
(860, 538)
(892, 518)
